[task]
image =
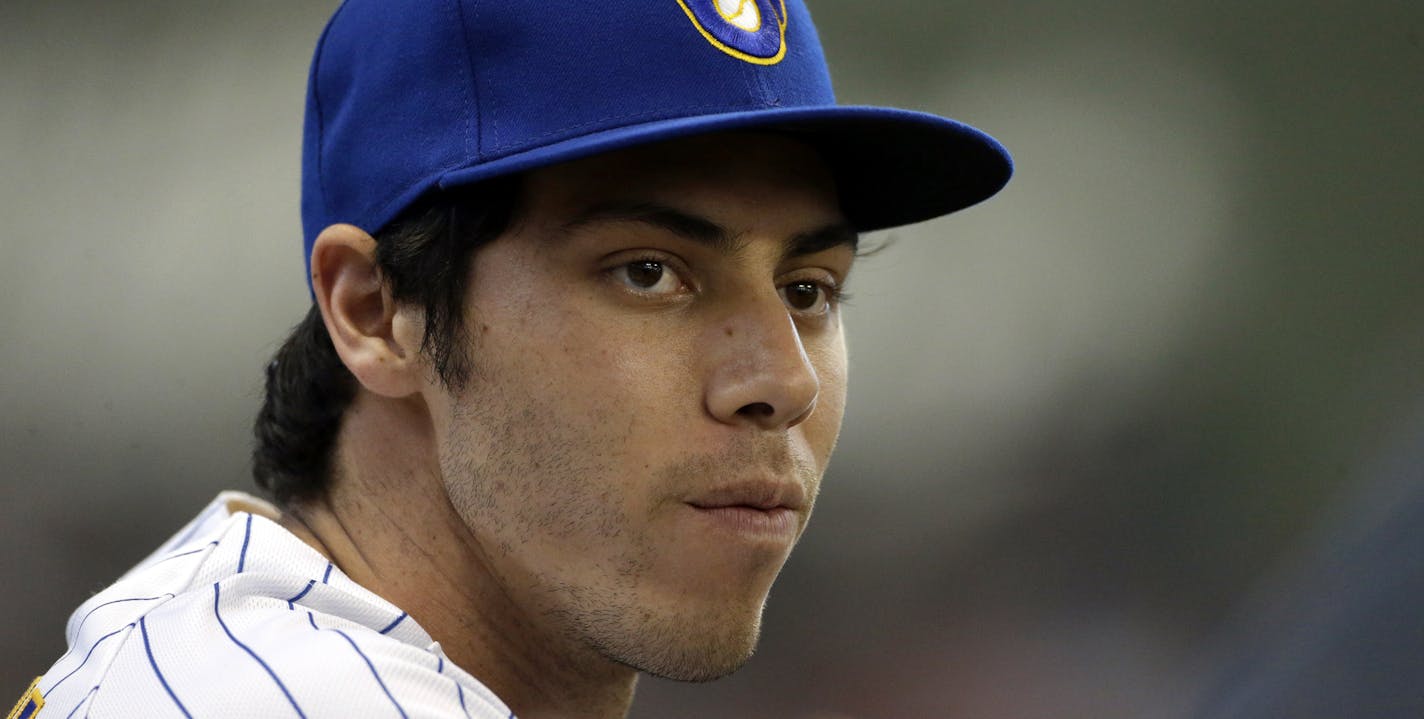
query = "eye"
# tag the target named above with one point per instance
(648, 276)
(808, 297)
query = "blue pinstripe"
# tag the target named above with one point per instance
(143, 628)
(312, 620)
(87, 694)
(459, 690)
(216, 596)
(92, 647)
(101, 606)
(393, 624)
(326, 576)
(291, 602)
(184, 554)
(246, 536)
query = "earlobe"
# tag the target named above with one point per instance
(362, 318)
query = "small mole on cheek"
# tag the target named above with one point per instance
(727, 331)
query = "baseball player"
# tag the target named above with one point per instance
(572, 374)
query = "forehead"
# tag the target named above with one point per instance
(736, 178)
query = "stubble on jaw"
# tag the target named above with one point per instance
(686, 643)
(538, 475)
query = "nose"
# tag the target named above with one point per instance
(760, 375)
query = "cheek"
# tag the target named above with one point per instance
(568, 405)
(823, 426)
(526, 466)
(635, 371)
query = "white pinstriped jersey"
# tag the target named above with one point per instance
(237, 617)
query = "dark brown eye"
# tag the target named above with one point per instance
(649, 277)
(803, 295)
(644, 273)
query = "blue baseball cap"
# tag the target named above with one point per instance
(406, 96)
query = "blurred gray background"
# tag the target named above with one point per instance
(1086, 416)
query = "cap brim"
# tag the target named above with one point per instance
(892, 167)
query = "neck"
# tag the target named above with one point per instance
(387, 523)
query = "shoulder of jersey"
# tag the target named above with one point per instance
(189, 634)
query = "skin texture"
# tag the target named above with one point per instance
(656, 346)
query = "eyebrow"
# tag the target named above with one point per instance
(706, 232)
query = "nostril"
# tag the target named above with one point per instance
(757, 410)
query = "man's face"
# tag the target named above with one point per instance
(659, 379)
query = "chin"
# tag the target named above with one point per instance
(702, 662)
(685, 648)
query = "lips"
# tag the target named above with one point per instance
(762, 495)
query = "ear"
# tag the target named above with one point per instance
(376, 339)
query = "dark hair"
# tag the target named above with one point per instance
(424, 256)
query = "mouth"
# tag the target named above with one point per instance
(761, 495)
(761, 509)
(776, 523)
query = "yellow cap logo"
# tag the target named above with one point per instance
(750, 30)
